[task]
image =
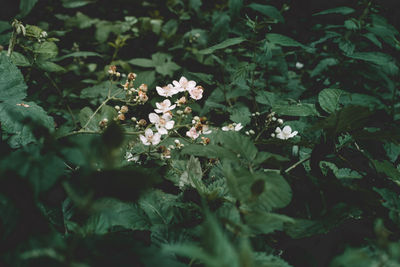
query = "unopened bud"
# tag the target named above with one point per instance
(132, 76)
(179, 112)
(143, 87)
(124, 109)
(251, 132)
(133, 119)
(121, 117)
(117, 108)
(280, 121)
(187, 110)
(142, 122)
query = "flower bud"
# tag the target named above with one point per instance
(133, 119)
(131, 76)
(187, 110)
(179, 112)
(143, 87)
(142, 122)
(117, 108)
(124, 109)
(251, 132)
(181, 101)
(121, 117)
(280, 121)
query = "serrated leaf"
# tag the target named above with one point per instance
(50, 66)
(266, 222)
(12, 85)
(240, 115)
(329, 99)
(142, 62)
(19, 59)
(344, 10)
(163, 64)
(388, 169)
(224, 44)
(282, 40)
(296, 110)
(99, 91)
(13, 116)
(76, 3)
(323, 65)
(107, 213)
(89, 121)
(79, 54)
(266, 98)
(268, 10)
(45, 50)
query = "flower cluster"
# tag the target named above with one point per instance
(162, 117)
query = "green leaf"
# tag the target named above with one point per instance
(260, 191)
(99, 91)
(158, 206)
(282, 40)
(329, 99)
(234, 7)
(392, 203)
(14, 115)
(323, 65)
(344, 10)
(266, 222)
(4, 26)
(19, 59)
(12, 85)
(146, 77)
(224, 44)
(42, 170)
(50, 66)
(142, 62)
(108, 213)
(79, 54)
(45, 50)
(25, 6)
(240, 115)
(76, 3)
(342, 173)
(268, 10)
(163, 64)
(388, 169)
(86, 115)
(296, 110)
(266, 98)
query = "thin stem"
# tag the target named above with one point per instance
(297, 164)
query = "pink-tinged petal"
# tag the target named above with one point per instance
(225, 128)
(183, 80)
(154, 118)
(167, 116)
(156, 138)
(158, 105)
(148, 133)
(238, 127)
(167, 103)
(287, 129)
(191, 84)
(294, 133)
(162, 131)
(158, 110)
(160, 91)
(172, 107)
(176, 84)
(169, 125)
(144, 140)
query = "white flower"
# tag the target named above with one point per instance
(167, 91)
(205, 129)
(299, 65)
(164, 106)
(196, 93)
(184, 84)
(162, 123)
(232, 127)
(150, 138)
(285, 133)
(192, 133)
(130, 157)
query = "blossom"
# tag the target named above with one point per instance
(193, 133)
(164, 106)
(167, 91)
(163, 123)
(232, 127)
(285, 133)
(184, 84)
(196, 93)
(150, 138)
(299, 65)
